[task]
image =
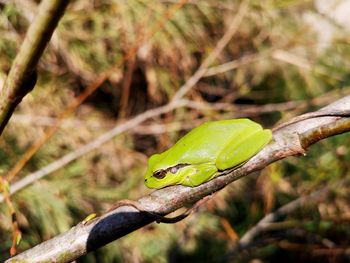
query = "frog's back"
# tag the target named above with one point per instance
(204, 143)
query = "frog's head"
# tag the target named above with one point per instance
(161, 173)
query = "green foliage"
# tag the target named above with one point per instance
(94, 36)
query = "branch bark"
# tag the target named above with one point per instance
(22, 76)
(293, 139)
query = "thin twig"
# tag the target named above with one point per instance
(236, 109)
(247, 59)
(302, 63)
(234, 26)
(22, 76)
(126, 87)
(248, 237)
(29, 179)
(264, 224)
(16, 232)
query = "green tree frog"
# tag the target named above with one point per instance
(203, 152)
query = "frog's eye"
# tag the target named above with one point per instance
(159, 174)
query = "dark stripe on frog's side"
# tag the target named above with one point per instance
(174, 169)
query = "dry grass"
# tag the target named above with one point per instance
(157, 52)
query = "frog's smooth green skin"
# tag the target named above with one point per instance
(199, 155)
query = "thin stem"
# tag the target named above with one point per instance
(22, 76)
(215, 53)
(54, 166)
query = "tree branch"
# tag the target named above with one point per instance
(290, 140)
(22, 76)
(264, 224)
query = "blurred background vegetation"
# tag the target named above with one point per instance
(293, 56)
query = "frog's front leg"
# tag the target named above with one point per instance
(198, 174)
(241, 150)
